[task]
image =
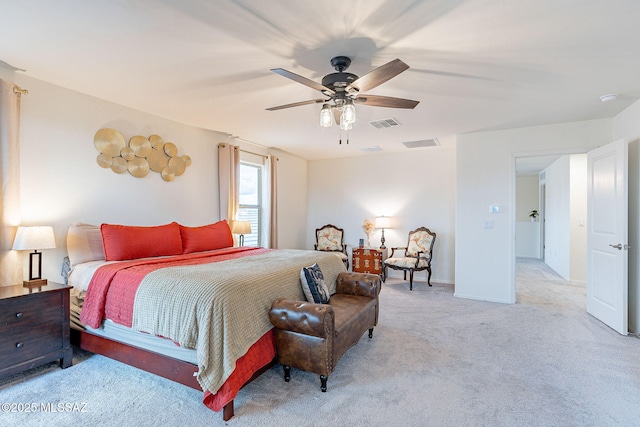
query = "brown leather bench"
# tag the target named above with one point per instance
(313, 337)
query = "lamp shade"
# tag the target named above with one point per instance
(37, 237)
(241, 227)
(383, 222)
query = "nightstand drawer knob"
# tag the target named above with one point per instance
(19, 315)
(19, 345)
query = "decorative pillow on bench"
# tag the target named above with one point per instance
(313, 285)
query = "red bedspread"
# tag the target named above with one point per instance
(111, 295)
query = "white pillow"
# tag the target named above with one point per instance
(84, 243)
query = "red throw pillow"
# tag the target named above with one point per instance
(122, 242)
(206, 237)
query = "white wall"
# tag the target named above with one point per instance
(292, 201)
(578, 220)
(62, 183)
(527, 232)
(528, 239)
(627, 125)
(557, 243)
(416, 189)
(485, 163)
(527, 196)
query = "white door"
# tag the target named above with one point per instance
(607, 254)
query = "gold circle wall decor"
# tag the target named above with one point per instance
(158, 160)
(141, 146)
(170, 149)
(119, 165)
(109, 141)
(140, 156)
(104, 160)
(167, 174)
(176, 164)
(127, 153)
(138, 167)
(155, 140)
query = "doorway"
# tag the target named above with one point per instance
(560, 199)
(543, 193)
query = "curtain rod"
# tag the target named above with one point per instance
(250, 142)
(18, 90)
(265, 156)
(255, 154)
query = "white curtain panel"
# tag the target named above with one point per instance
(229, 180)
(11, 268)
(272, 171)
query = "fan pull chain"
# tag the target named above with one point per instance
(340, 140)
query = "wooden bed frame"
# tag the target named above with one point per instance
(149, 361)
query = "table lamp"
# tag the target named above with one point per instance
(38, 237)
(241, 228)
(383, 222)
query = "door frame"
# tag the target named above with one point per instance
(512, 204)
(542, 194)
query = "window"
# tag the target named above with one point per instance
(250, 202)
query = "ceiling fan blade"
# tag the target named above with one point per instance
(385, 101)
(305, 81)
(296, 104)
(378, 76)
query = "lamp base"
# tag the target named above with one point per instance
(34, 283)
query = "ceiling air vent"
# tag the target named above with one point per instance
(433, 142)
(376, 148)
(385, 123)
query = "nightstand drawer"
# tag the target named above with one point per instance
(26, 343)
(34, 327)
(30, 310)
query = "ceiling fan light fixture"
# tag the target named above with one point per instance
(342, 90)
(326, 116)
(344, 125)
(348, 112)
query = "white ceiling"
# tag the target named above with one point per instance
(533, 165)
(475, 64)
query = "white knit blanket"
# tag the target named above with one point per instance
(221, 309)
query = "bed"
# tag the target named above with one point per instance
(183, 302)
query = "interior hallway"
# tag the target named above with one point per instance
(537, 283)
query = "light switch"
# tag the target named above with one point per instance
(494, 209)
(488, 225)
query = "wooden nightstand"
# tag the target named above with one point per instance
(369, 260)
(34, 327)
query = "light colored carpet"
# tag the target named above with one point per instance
(434, 360)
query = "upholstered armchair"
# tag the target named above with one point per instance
(416, 257)
(329, 239)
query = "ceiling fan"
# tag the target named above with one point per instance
(343, 89)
